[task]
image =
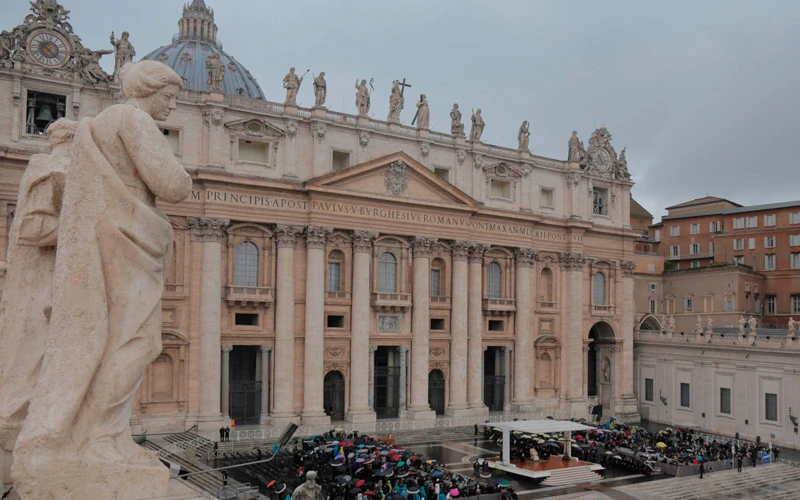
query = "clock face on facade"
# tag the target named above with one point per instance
(601, 159)
(48, 48)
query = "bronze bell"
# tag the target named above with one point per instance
(45, 115)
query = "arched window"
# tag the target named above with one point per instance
(246, 268)
(335, 271)
(387, 273)
(437, 278)
(599, 289)
(546, 285)
(493, 277)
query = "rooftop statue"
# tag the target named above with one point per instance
(423, 117)
(112, 246)
(362, 97)
(396, 102)
(292, 82)
(523, 136)
(478, 125)
(320, 90)
(216, 72)
(576, 151)
(124, 52)
(456, 127)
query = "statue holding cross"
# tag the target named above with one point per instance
(396, 100)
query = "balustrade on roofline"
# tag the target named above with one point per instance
(729, 339)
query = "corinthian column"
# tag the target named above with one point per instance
(420, 330)
(573, 264)
(284, 326)
(475, 329)
(226, 381)
(523, 323)
(210, 231)
(403, 349)
(457, 405)
(360, 410)
(313, 411)
(265, 371)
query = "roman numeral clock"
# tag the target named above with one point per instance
(48, 48)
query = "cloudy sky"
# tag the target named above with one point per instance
(705, 95)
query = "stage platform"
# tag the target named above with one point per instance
(552, 472)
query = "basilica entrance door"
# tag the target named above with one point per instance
(493, 380)
(387, 383)
(333, 399)
(436, 391)
(244, 389)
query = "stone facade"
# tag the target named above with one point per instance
(339, 267)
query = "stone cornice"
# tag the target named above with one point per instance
(572, 260)
(208, 229)
(526, 256)
(423, 246)
(362, 240)
(316, 236)
(286, 234)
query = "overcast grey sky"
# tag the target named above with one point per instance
(705, 95)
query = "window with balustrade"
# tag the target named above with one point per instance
(494, 275)
(387, 273)
(599, 289)
(246, 265)
(335, 278)
(438, 278)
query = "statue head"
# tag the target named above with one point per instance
(455, 105)
(125, 35)
(311, 476)
(291, 70)
(363, 81)
(151, 86)
(61, 131)
(478, 111)
(321, 74)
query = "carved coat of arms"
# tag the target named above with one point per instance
(396, 178)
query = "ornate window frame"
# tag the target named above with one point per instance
(254, 130)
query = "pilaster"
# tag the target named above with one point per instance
(457, 404)
(420, 329)
(266, 351)
(523, 359)
(475, 329)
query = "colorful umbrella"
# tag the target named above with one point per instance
(454, 492)
(661, 444)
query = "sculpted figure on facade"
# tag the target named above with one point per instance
(792, 328)
(216, 72)
(524, 136)
(309, 490)
(396, 103)
(606, 370)
(621, 167)
(456, 127)
(698, 325)
(123, 52)
(709, 324)
(88, 64)
(113, 244)
(671, 324)
(752, 323)
(576, 151)
(292, 82)
(6, 48)
(478, 125)
(742, 324)
(362, 97)
(320, 90)
(423, 117)
(24, 319)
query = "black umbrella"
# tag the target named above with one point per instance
(354, 491)
(396, 496)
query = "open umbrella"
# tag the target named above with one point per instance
(360, 483)
(354, 491)
(454, 492)
(661, 444)
(400, 463)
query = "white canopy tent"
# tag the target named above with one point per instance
(538, 427)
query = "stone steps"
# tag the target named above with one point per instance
(571, 475)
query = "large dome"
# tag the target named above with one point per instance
(191, 47)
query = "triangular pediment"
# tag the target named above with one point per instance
(396, 177)
(255, 127)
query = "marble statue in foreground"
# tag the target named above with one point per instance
(105, 316)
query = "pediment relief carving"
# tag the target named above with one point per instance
(255, 128)
(503, 170)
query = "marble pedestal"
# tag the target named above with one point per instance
(523, 407)
(361, 418)
(459, 412)
(421, 414)
(316, 419)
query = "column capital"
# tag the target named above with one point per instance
(226, 348)
(287, 234)
(208, 229)
(572, 260)
(362, 240)
(628, 267)
(316, 236)
(373, 348)
(403, 349)
(423, 246)
(461, 249)
(476, 252)
(508, 348)
(485, 348)
(525, 256)
(265, 349)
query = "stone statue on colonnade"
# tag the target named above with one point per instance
(309, 490)
(105, 317)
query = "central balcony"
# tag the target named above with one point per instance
(391, 302)
(498, 307)
(337, 297)
(250, 296)
(603, 310)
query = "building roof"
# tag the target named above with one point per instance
(701, 201)
(542, 426)
(739, 210)
(639, 211)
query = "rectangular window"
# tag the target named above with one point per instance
(653, 308)
(713, 227)
(674, 230)
(708, 304)
(245, 319)
(334, 276)
(443, 173)
(546, 198)
(675, 251)
(657, 235)
(437, 324)
(495, 325)
(694, 264)
(794, 218)
(769, 262)
(769, 242)
(500, 189)
(711, 249)
(795, 304)
(254, 152)
(676, 266)
(686, 395)
(694, 248)
(600, 201)
(758, 306)
(340, 160)
(771, 304)
(751, 244)
(725, 400)
(43, 109)
(173, 137)
(771, 407)
(648, 390)
(738, 244)
(435, 281)
(653, 287)
(751, 222)
(670, 306)
(769, 220)
(738, 223)
(738, 260)
(794, 259)
(694, 229)
(728, 303)
(335, 321)
(688, 304)
(794, 240)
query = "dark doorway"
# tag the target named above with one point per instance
(591, 366)
(387, 382)
(494, 381)
(436, 391)
(245, 391)
(334, 395)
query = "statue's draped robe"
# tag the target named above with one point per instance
(106, 315)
